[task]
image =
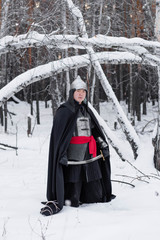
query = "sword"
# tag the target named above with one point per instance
(87, 161)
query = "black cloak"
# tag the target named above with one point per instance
(62, 130)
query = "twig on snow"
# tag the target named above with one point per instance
(8, 146)
(134, 178)
(113, 180)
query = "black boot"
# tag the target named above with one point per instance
(51, 207)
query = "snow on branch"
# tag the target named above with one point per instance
(117, 57)
(47, 70)
(147, 57)
(108, 41)
(34, 39)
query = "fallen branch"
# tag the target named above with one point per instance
(134, 178)
(153, 120)
(123, 182)
(140, 179)
(155, 176)
(8, 146)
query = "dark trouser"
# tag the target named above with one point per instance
(83, 192)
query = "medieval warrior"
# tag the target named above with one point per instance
(79, 161)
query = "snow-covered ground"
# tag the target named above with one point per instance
(133, 215)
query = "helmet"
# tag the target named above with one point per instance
(78, 84)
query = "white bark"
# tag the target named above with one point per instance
(157, 33)
(4, 17)
(66, 51)
(76, 50)
(128, 128)
(156, 132)
(157, 24)
(92, 88)
(90, 69)
(93, 34)
(158, 70)
(100, 16)
(131, 94)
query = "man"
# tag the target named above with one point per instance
(75, 173)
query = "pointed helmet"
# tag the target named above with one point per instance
(78, 84)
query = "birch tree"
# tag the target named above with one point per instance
(157, 137)
(4, 64)
(134, 141)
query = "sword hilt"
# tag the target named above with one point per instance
(102, 155)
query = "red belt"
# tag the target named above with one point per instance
(84, 139)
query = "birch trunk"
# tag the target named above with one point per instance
(127, 127)
(6, 80)
(76, 50)
(157, 138)
(100, 16)
(4, 17)
(66, 51)
(130, 105)
(120, 82)
(94, 82)
(157, 23)
(91, 71)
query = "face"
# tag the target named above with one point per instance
(79, 95)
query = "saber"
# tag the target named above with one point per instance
(86, 161)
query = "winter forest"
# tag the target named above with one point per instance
(114, 45)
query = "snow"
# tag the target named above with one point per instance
(35, 39)
(109, 41)
(133, 215)
(46, 70)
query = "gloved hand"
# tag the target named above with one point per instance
(103, 146)
(105, 152)
(64, 160)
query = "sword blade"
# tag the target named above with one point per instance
(85, 161)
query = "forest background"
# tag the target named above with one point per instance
(55, 30)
